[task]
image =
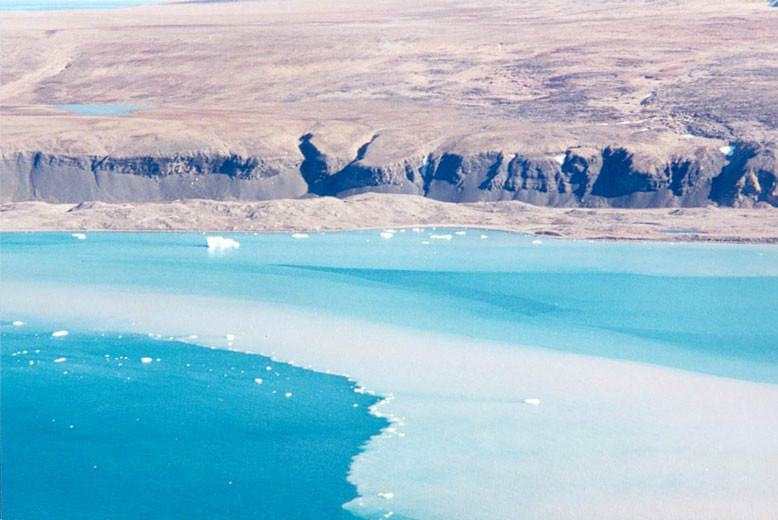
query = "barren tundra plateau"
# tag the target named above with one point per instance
(613, 103)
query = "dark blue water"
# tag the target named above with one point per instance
(103, 435)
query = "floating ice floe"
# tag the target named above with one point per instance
(386, 234)
(18, 323)
(59, 334)
(60, 360)
(300, 235)
(425, 243)
(80, 236)
(258, 380)
(560, 159)
(416, 230)
(288, 394)
(221, 243)
(230, 337)
(537, 241)
(387, 496)
(727, 150)
(483, 237)
(460, 232)
(533, 401)
(440, 237)
(146, 360)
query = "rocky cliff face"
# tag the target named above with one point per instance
(610, 177)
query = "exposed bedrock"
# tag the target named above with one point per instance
(613, 176)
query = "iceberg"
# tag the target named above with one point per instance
(80, 236)
(59, 334)
(300, 235)
(221, 243)
(387, 234)
(440, 237)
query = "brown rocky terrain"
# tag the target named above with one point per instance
(593, 103)
(373, 210)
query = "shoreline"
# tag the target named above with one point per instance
(373, 211)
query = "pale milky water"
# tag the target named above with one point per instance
(101, 110)
(654, 365)
(55, 5)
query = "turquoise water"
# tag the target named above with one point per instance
(697, 307)
(102, 110)
(188, 435)
(47, 5)
(460, 333)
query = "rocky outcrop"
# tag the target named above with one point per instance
(62, 178)
(611, 177)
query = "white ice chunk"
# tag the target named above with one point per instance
(386, 234)
(460, 233)
(60, 360)
(560, 159)
(230, 337)
(416, 230)
(387, 496)
(300, 235)
(688, 136)
(221, 243)
(440, 237)
(288, 394)
(727, 150)
(80, 236)
(533, 401)
(537, 241)
(483, 237)
(145, 360)
(18, 323)
(258, 380)
(59, 334)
